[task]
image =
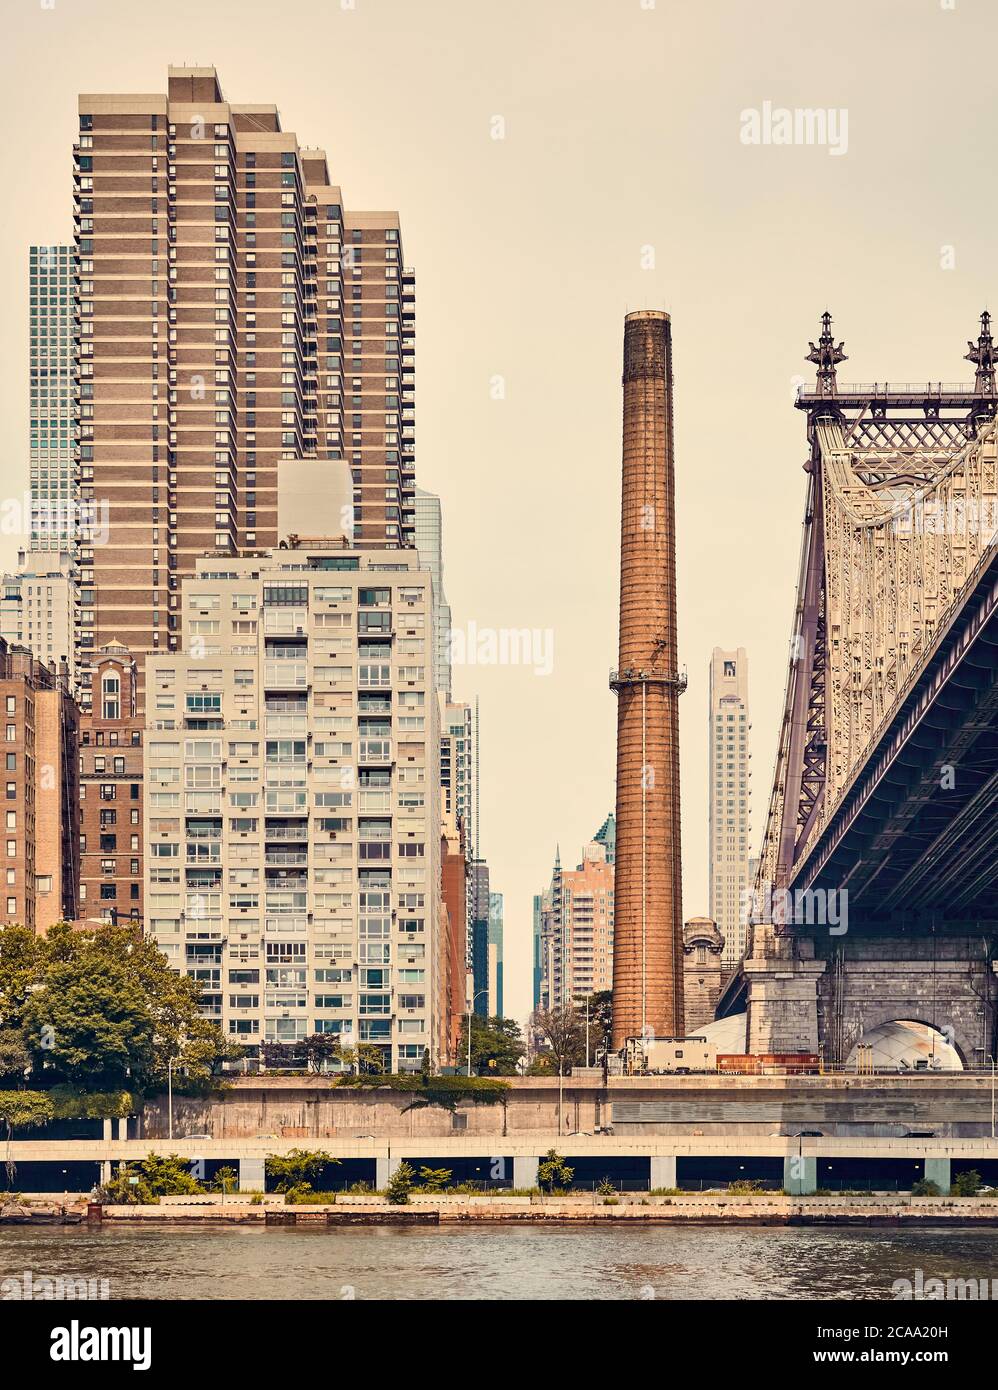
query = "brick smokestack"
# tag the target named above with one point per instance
(648, 911)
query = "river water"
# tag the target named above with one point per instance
(498, 1262)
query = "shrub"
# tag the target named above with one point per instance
(605, 1187)
(434, 1179)
(400, 1185)
(300, 1168)
(744, 1187)
(967, 1184)
(925, 1187)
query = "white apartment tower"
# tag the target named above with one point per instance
(292, 805)
(52, 372)
(40, 608)
(730, 796)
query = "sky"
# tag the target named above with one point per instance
(556, 164)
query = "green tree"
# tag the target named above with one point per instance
(15, 1059)
(298, 1169)
(966, 1184)
(364, 1059)
(22, 955)
(435, 1179)
(553, 1173)
(400, 1184)
(89, 1021)
(226, 1179)
(496, 1045)
(155, 1176)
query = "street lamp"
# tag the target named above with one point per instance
(472, 1000)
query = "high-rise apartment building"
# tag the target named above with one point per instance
(293, 827)
(52, 369)
(111, 784)
(478, 914)
(429, 544)
(40, 608)
(457, 764)
(730, 795)
(42, 796)
(231, 314)
(495, 955)
(576, 928)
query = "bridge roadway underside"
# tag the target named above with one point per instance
(914, 838)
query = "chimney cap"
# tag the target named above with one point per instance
(646, 314)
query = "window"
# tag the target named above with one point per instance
(110, 697)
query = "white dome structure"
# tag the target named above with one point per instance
(904, 1045)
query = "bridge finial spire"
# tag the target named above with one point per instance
(982, 354)
(826, 356)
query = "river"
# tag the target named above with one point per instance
(495, 1262)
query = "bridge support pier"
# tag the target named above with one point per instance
(383, 1170)
(800, 1174)
(662, 1171)
(252, 1174)
(937, 1170)
(782, 979)
(525, 1170)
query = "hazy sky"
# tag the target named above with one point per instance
(621, 182)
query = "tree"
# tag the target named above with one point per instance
(600, 1020)
(496, 1045)
(435, 1179)
(966, 1184)
(365, 1059)
(89, 1021)
(564, 1033)
(15, 1059)
(400, 1184)
(299, 1169)
(100, 1005)
(158, 1175)
(22, 954)
(553, 1173)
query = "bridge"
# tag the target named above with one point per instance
(877, 891)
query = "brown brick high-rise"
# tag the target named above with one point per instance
(648, 916)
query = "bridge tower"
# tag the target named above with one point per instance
(878, 878)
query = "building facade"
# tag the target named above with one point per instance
(52, 369)
(112, 832)
(576, 929)
(730, 797)
(429, 544)
(231, 314)
(40, 608)
(495, 955)
(293, 824)
(703, 946)
(41, 789)
(478, 913)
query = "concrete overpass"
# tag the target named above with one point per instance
(798, 1163)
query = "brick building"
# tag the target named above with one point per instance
(41, 795)
(111, 787)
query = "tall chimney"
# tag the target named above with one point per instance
(648, 911)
